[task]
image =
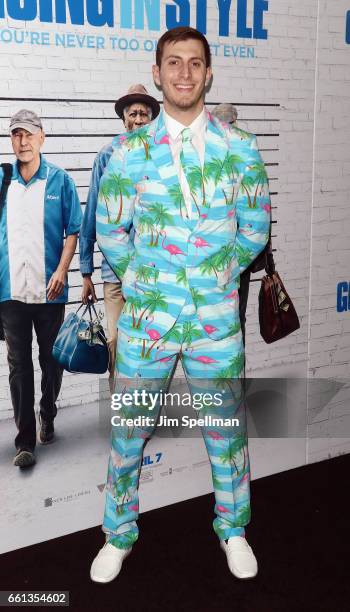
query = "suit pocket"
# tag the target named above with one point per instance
(229, 275)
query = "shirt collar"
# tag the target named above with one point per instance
(40, 174)
(174, 127)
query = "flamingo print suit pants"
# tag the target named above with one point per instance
(180, 279)
(154, 361)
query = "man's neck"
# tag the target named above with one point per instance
(27, 170)
(184, 116)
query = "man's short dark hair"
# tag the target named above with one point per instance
(178, 34)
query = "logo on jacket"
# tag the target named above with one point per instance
(53, 197)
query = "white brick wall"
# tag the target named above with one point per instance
(311, 180)
(329, 343)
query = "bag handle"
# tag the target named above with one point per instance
(6, 181)
(88, 306)
(274, 297)
(270, 267)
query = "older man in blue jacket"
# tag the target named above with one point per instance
(136, 109)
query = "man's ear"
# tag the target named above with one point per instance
(42, 137)
(208, 76)
(155, 72)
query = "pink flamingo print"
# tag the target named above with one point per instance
(144, 435)
(246, 229)
(160, 349)
(200, 243)
(152, 333)
(204, 216)
(231, 213)
(120, 230)
(204, 359)
(163, 140)
(215, 435)
(134, 507)
(232, 295)
(210, 329)
(222, 509)
(171, 248)
(164, 359)
(266, 207)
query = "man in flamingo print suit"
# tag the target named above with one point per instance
(191, 187)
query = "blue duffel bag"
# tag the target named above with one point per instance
(81, 344)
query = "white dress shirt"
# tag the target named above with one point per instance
(174, 128)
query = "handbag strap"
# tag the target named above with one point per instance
(88, 307)
(270, 266)
(274, 296)
(6, 181)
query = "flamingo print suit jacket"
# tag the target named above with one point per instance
(171, 256)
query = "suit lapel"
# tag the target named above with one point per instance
(160, 152)
(216, 147)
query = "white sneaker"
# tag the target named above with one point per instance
(108, 563)
(240, 557)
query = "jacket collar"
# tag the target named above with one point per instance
(215, 146)
(41, 173)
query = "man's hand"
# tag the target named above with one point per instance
(88, 292)
(56, 284)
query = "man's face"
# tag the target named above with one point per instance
(183, 75)
(136, 116)
(26, 146)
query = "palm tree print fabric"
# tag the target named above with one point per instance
(210, 367)
(180, 280)
(172, 255)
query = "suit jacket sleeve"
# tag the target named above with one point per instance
(115, 210)
(253, 208)
(87, 237)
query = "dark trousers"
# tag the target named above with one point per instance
(18, 320)
(243, 299)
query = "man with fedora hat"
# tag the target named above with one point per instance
(136, 108)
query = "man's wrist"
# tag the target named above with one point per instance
(62, 270)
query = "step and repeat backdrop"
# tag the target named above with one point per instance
(285, 66)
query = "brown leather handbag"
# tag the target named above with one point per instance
(277, 315)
